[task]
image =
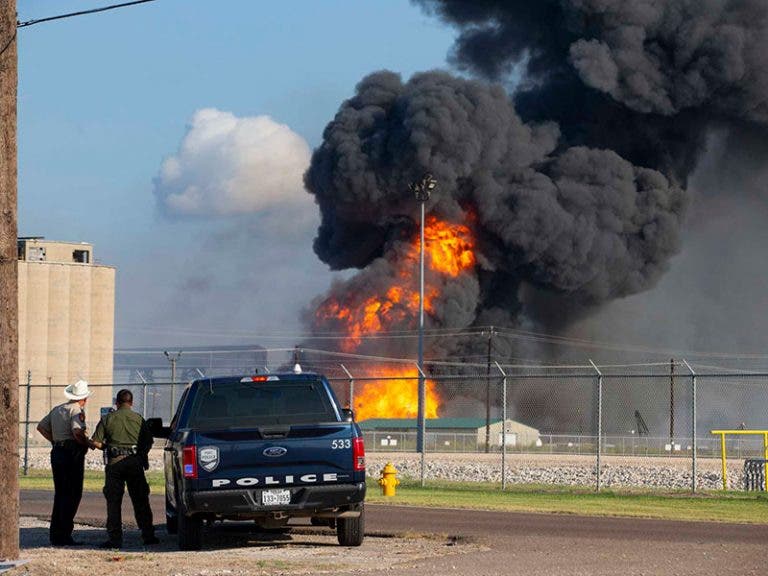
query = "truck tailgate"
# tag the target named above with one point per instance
(273, 457)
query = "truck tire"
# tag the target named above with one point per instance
(190, 528)
(171, 518)
(351, 531)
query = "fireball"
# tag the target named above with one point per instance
(449, 251)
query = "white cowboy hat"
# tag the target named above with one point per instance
(77, 391)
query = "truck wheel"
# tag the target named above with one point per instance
(171, 518)
(350, 531)
(190, 531)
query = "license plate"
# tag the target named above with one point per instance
(275, 497)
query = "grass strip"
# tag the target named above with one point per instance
(737, 507)
(93, 481)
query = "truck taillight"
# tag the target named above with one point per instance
(189, 461)
(358, 454)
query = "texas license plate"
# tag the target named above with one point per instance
(275, 497)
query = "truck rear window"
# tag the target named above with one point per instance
(248, 404)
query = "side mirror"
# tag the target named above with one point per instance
(348, 414)
(157, 429)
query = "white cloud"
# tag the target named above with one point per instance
(227, 165)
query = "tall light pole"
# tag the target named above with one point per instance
(173, 358)
(422, 190)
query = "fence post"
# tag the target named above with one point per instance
(422, 423)
(693, 425)
(351, 387)
(143, 394)
(503, 427)
(26, 424)
(599, 420)
(173, 389)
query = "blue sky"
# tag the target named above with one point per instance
(104, 99)
(107, 100)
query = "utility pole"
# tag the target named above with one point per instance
(491, 333)
(9, 299)
(672, 404)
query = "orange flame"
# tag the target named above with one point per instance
(396, 398)
(448, 251)
(449, 247)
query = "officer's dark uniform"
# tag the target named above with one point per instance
(128, 440)
(68, 464)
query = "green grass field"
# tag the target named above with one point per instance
(94, 481)
(739, 507)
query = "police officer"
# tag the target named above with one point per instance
(64, 427)
(125, 437)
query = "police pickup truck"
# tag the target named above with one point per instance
(266, 448)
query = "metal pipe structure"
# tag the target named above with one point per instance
(420, 437)
(599, 420)
(693, 425)
(26, 424)
(672, 404)
(173, 358)
(351, 387)
(488, 394)
(503, 427)
(422, 191)
(422, 431)
(143, 394)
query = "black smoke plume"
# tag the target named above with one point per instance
(645, 79)
(573, 181)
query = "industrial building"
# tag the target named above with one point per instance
(441, 429)
(66, 324)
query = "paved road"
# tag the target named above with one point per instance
(540, 544)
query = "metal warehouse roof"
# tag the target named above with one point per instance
(434, 423)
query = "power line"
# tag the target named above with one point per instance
(81, 13)
(9, 43)
(470, 331)
(335, 335)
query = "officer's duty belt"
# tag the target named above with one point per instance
(115, 451)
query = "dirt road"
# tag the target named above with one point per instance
(511, 543)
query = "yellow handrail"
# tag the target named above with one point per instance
(723, 433)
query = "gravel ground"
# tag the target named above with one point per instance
(230, 551)
(566, 470)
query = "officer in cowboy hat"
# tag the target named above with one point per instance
(64, 427)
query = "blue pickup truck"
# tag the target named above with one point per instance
(266, 448)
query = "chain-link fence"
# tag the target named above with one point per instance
(644, 426)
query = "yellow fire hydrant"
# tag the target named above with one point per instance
(388, 481)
